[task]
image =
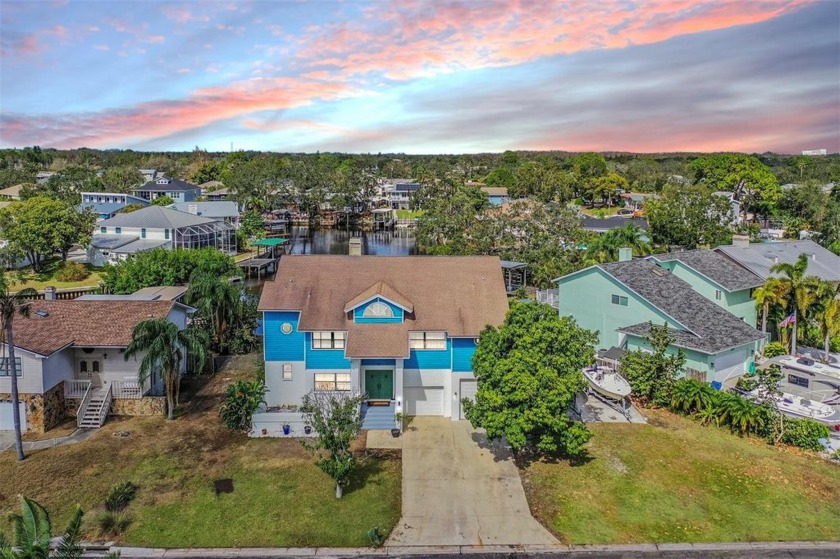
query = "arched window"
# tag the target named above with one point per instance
(83, 367)
(96, 366)
(378, 310)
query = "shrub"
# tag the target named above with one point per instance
(242, 400)
(119, 496)
(112, 523)
(774, 349)
(72, 271)
(805, 433)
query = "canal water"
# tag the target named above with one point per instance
(302, 240)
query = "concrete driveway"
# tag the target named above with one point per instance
(459, 490)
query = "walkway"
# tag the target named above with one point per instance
(8, 441)
(459, 490)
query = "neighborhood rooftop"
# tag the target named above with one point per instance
(759, 257)
(155, 217)
(602, 225)
(53, 325)
(166, 185)
(711, 328)
(220, 209)
(716, 267)
(436, 289)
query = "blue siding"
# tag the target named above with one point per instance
(430, 358)
(378, 363)
(358, 313)
(280, 346)
(324, 358)
(462, 353)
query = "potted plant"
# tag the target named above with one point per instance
(398, 417)
(287, 429)
(307, 429)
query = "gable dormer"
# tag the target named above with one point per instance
(163, 180)
(380, 303)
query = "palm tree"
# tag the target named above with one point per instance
(605, 247)
(828, 317)
(12, 304)
(742, 415)
(163, 344)
(691, 395)
(33, 530)
(216, 299)
(771, 294)
(798, 289)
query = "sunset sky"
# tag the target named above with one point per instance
(422, 77)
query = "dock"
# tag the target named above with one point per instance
(267, 258)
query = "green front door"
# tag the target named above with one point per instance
(379, 384)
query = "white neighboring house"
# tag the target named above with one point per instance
(70, 359)
(218, 210)
(156, 227)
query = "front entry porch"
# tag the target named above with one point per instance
(379, 384)
(378, 417)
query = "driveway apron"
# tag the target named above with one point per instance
(460, 490)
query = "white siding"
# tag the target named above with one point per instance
(31, 381)
(58, 367)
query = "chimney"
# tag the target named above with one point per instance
(741, 240)
(355, 246)
(625, 254)
(49, 293)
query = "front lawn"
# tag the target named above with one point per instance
(409, 214)
(676, 481)
(280, 497)
(26, 278)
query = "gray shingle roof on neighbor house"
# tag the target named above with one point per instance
(174, 185)
(155, 217)
(759, 257)
(711, 329)
(140, 245)
(218, 210)
(716, 267)
(110, 242)
(600, 225)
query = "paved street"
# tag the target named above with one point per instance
(459, 490)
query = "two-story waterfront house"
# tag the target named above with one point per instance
(401, 330)
(178, 190)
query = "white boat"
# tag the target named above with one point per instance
(607, 382)
(808, 365)
(799, 407)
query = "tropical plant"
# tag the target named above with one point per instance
(32, 531)
(741, 414)
(690, 395)
(805, 433)
(774, 349)
(215, 298)
(243, 398)
(828, 316)
(163, 201)
(11, 305)
(652, 374)
(798, 289)
(771, 294)
(606, 246)
(119, 496)
(528, 372)
(162, 344)
(72, 271)
(335, 417)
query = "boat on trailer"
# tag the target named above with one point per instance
(803, 408)
(607, 382)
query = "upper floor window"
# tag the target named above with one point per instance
(619, 300)
(718, 295)
(118, 230)
(427, 340)
(328, 340)
(378, 310)
(4, 367)
(103, 230)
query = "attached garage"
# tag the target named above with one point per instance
(7, 417)
(423, 400)
(468, 390)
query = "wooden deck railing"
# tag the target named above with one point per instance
(76, 388)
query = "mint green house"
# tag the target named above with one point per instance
(717, 278)
(620, 300)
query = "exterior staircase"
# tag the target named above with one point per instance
(94, 409)
(378, 417)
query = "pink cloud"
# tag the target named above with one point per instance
(184, 70)
(155, 39)
(102, 47)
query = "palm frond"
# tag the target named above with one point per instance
(68, 547)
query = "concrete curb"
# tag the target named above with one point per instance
(402, 551)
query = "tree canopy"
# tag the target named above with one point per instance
(166, 267)
(690, 216)
(528, 373)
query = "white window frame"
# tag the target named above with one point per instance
(332, 382)
(718, 295)
(430, 341)
(620, 300)
(286, 371)
(4, 367)
(335, 339)
(373, 310)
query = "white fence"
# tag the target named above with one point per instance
(549, 297)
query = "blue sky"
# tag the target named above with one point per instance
(422, 77)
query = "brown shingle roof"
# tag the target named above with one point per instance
(379, 288)
(456, 294)
(83, 323)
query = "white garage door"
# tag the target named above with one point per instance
(729, 366)
(7, 418)
(468, 389)
(423, 400)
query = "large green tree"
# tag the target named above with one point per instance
(40, 226)
(67, 185)
(652, 374)
(753, 182)
(528, 372)
(690, 216)
(257, 182)
(162, 346)
(451, 211)
(124, 178)
(605, 247)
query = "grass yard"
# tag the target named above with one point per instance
(25, 277)
(676, 481)
(280, 498)
(409, 214)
